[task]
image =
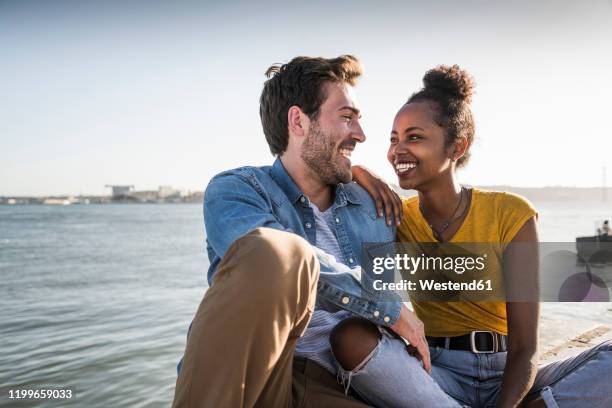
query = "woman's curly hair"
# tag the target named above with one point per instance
(449, 89)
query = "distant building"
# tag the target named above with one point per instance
(57, 201)
(194, 197)
(120, 191)
(167, 192)
(147, 196)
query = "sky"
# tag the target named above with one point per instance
(152, 93)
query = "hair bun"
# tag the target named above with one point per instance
(451, 80)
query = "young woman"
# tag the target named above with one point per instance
(482, 353)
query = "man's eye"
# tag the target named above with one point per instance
(348, 117)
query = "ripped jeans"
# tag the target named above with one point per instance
(390, 377)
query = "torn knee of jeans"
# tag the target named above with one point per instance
(352, 342)
(548, 397)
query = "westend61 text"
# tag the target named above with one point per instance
(458, 264)
(429, 285)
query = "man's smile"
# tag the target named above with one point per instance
(347, 152)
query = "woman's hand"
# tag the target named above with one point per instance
(388, 202)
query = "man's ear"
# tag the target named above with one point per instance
(297, 121)
(459, 148)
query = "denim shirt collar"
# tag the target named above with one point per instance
(344, 194)
(285, 182)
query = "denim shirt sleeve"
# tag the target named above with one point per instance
(340, 288)
(233, 207)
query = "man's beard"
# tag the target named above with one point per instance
(320, 153)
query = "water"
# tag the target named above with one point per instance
(98, 298)
(562, 222)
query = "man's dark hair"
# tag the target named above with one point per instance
(449, 89)
(300, 82)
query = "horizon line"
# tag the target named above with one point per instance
(485, 186)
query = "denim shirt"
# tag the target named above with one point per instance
(240, 200)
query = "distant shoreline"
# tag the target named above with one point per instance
(564, 194)
(195, 198)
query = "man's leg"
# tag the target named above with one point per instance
(240, 347)
(580, 381)
(315, 387)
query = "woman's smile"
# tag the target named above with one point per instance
(416, 150)
(404, 169)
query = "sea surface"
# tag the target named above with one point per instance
(98, 298)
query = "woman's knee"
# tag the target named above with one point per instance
(353, 340)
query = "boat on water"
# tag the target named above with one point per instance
(596, 249)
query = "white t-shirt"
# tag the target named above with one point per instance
(314, 344)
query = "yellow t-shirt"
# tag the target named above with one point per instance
(493, 217)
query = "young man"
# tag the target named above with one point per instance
(270, 231)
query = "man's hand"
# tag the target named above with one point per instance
(384, 196)
(411, 328)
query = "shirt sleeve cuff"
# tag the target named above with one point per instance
(386, 313)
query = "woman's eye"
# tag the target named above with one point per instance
(393, 140)
(414, 137)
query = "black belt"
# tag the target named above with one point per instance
(476, 342)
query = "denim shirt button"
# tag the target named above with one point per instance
(308, 225)
(337, 220)
(387, 319)
(345, 300)
(351, 260)
(376, 313)
(302, 199)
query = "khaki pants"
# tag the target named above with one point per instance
(240, 349)
(315, 387)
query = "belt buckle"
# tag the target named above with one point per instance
(473, 342)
